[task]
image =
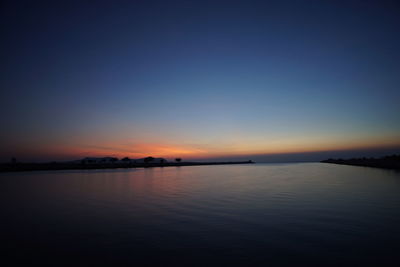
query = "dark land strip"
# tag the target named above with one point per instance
(387, 162)
(16, 167)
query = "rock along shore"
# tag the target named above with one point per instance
(16, 167)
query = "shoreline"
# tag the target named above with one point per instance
(388, 162)
(21, 167)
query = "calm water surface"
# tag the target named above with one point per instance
(246, 215)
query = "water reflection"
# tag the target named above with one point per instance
(314, 214)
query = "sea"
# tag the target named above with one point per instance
(292, 214)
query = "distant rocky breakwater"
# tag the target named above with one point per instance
(107, 163)
(387, 162)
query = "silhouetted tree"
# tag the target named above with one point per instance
(13, 160)
(178, 159)
(148, 159)
(126, 159)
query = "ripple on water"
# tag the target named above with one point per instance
(240, 214)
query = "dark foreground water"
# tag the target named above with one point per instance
(244, 215)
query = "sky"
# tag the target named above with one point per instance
(198, 79)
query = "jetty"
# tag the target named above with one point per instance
(387, 162)
(17, 166)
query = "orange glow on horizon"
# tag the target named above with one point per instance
(186, 151)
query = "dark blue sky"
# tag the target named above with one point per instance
(198, 78)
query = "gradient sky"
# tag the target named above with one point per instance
(197, 79)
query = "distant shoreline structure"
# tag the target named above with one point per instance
(107, 163)
(387, 162)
